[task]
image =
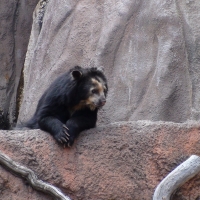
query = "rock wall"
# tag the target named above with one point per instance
(15, 28)
(149, 50)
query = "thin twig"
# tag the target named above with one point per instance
(31, 177)
(177, 178)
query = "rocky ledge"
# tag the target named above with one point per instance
(124, 160)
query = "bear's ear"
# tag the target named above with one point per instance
(76, 74)
(101, 69)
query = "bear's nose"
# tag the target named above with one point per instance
(103, 102)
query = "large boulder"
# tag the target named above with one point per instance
(124, 160)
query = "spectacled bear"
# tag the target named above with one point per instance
(70, 104)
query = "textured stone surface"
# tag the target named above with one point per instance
(14, 188)
(15, 27)
(151, 54)
(150, 51)
(127, 163)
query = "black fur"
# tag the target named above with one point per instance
(59, 110)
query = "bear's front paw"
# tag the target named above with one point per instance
(63, 136)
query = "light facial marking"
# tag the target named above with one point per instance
(98, 86)
(103, 83)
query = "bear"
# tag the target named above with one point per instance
(70, 104)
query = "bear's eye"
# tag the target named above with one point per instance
(94, 91)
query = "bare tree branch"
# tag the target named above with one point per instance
(177, 178)
(31, 177)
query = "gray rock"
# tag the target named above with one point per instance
(15, 27)
(149, 50)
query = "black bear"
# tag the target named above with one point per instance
(70, 104)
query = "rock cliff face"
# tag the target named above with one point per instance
(149, 51)
(15, 27)
(151, 54)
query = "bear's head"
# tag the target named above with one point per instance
(91, 87)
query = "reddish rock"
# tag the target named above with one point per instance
(124, 160)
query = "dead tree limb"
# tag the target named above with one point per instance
(31, 177)
(177, 178)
